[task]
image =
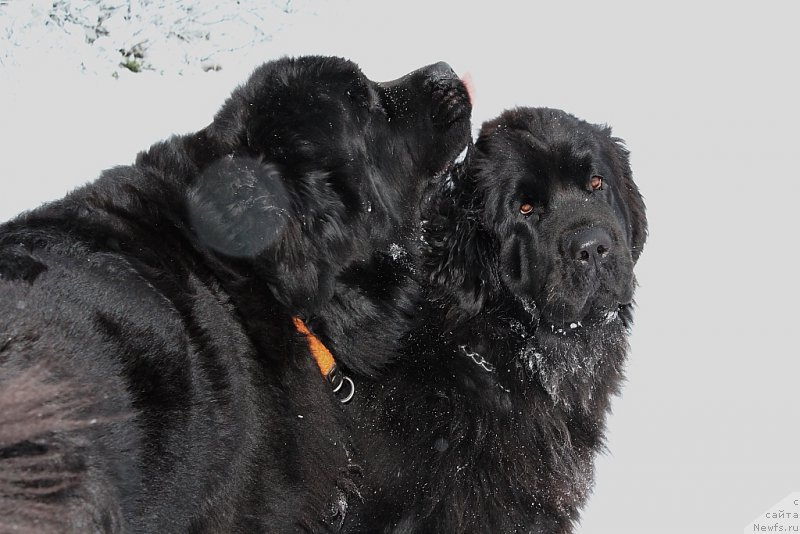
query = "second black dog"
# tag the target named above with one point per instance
(490, 420)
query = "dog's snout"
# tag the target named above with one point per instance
(438, 72)
(451, 100)
(590, 246)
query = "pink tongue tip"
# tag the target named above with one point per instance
(466, 79)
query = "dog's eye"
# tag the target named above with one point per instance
(596, 182)
(526, 209)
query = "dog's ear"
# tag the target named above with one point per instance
(620, 166)
(459, 257)
(240, 208)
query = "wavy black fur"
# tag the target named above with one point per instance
(168, 288)
(491, 419)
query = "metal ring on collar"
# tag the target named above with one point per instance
(349, 397)
(338, 386)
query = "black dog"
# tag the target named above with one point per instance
(153, 374)
(490, 420)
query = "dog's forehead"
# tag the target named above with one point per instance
(558, 161)
(540, 151)
(320, 77)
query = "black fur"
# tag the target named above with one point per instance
(167, 290)
(490, 420)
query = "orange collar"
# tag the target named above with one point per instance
(320, 352)
(325, 360)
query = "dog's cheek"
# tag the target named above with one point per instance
(518, 264)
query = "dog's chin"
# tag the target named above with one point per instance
(568, 313)
(591, 316)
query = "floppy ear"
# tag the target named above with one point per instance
(620, 161)
(460, 256)
(240, 207)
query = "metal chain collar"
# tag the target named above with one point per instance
(478, 359)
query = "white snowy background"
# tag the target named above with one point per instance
(705, 436)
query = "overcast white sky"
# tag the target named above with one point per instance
(705, 436)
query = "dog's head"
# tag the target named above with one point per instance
(321, 113)
(550, 216)
(325, 166)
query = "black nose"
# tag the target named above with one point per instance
(590, 246)
(441, 70)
